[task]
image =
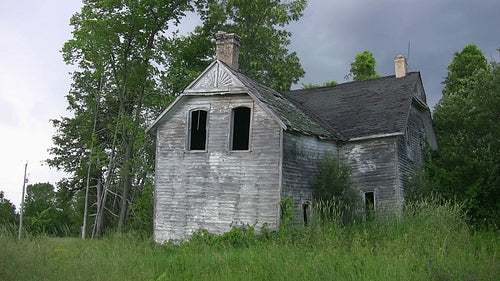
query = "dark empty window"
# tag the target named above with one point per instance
(369, 205)
(306, 209)
(198, 130)
(241, 128)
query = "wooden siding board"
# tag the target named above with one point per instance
(213, 189)
(301, 156)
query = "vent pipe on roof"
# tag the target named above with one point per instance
(400, 66)
(227, 48)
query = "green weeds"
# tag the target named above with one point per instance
(428, 242)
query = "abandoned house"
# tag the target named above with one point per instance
(229, 149)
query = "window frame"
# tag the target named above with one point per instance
(231, 128)
(188, 129)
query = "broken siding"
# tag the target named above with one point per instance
(301, 156)
(215, 188)
(374, 169)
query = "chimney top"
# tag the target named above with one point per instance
(400, 66)
(227, 48)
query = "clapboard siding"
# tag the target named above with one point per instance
(301, 156)
(411, 157)
(217, 187)
(374, 169)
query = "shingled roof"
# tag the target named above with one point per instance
(294, 117)
(346, 111)
(360, 109)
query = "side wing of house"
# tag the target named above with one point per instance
(374, 165)
(301, 156)
(418, 136)
(209, 173)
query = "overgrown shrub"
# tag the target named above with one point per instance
(336, 198)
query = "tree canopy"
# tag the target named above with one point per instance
(463, 69)
(363, 67)
(116, 91)
(7, 211)
(467, 123)
(263, 49)
(325, 84)
(43, 212)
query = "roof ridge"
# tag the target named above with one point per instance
(351, 82)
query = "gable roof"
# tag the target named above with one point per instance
(220, 79)
(353, 110)
(361, 109)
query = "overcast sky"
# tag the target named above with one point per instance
(34, 80)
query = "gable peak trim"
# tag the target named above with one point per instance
(216, 78)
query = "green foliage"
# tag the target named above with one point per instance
(419, 186)
(43, 213)
(467, 167)
(141, 211)
(408, 247)
(463, 69)
(325, 84)
(333, 189)
(363, 67)
(286, 205)
(7, 211)
(263, 48)
(116, 92)
(239, 236)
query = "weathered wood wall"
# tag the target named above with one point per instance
(411, 157)
(215, 188)
(301, 156)
(374, 167)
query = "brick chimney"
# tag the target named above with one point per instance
(401, 66)
(227, 48)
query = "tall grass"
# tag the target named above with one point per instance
(428, 242)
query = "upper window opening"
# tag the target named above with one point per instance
(198, 130)
(241, 128)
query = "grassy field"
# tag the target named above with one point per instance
(428, 243)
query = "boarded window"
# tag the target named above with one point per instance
(240, 128)
(369, 205)
(198, 130)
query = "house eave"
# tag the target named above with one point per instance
(376, 136)
(216, 91)
(155, 124)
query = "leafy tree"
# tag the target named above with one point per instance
(7, 211)
(363, 67)
(263, 48)
(463, 69)
(116, 91)
(467, 167)
(325, 84)
(41, 211)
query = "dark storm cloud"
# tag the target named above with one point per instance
(331, 33)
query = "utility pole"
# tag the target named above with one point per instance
(22, 201)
